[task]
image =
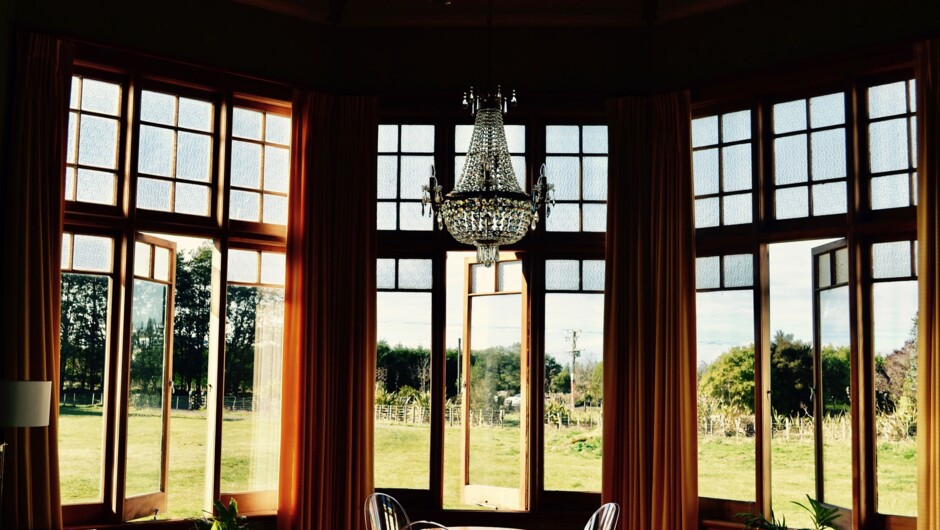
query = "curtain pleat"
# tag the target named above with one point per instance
(329, 367)
(928, 328)
(32, 233)
(650, 465)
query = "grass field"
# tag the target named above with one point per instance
(572, 462)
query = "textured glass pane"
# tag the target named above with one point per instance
(594, 139)
(415, 171)
(482, 279)
(102, 97)
(195, 114)
(155, 154)
(592, 271)
(277, 129)
(916, 250)
(515, 138)
(276, 169)
(96, 187)
(73, 93)
(791, 203)
(161, 263)
(388, 138)
(563, 218)
(739, 271)
(891, 260)
(892, 191)
(825, 269)
(142, 259)
(246, 123)
(71, 146)
(243, 266)
(417, 138)
(913, 136)
(245, 206)
(706, 212)
(829, 199)
(273, 268)
(705, 171)
(92, 253)
(388, 177)
(385, 274)
(912, 95)
(705, 131)
(70, 183)
(562, 139)
(412, 218)
(462, 135)
(561, 275)
(192, 199)
(459, 162)
(888, 145)
(790, 159)
(790, 116)
(518, 167)
(827, 110)
(153, 194)
(842, 265)
(193, 152)
(736, 126)
(563, 172)
(737, 209)
(509, 276)
(594, 218)
(157, 108)
(887, 100)
(708, 272)
(246, 165)
(66, 262)
(828, 152)
(97, 142)
(414, 274)
(386, 216)
(736, 167)
(594, 178)
(275, 209)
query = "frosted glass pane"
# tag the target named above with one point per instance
(594, 178)
(459, 162)
(245, 206)
(414, 274)
(594, 218)
(277, 129)
(706, 212)
(705, 131)
(70, 183)
(412, 219)
(509, 276)
(515, 138)
(273, 268)
(562, 139)
(153, 194)
(386, 216)
(592, 271)
(157, 108)
(842, 265)
(825, 270)
(739, 270)
(462, 135)
(195, 114)
(705, 171)
(563, 218)
(415, 171)
(246, 123)
(161, 263)
(73, 92)
(385, 273)
(387, 179)
(388, 138)
(66, 262)
(708, 272)
(192, 199)
(96, 187)
(737, 209)
(791, 203)
(276, 169)
(92, 253)
(563, 172)
(519, 168)
(790, 116)
(275, 209)
(891, 260)
(417, 138)
(193, 152)
(246, 164)
(142, 259)
(828, 154)
(561, 275)
(594, 139)
(892, 191)
(827, 110)
(97, 142)
(482, 279)
(71, 146)
(913, 136)
(102, 97)
(888, 145)
(736, 126)
(829, 199)
(155, 154)
(887, 100)
(243, 266)
(790, 159)
(736, 166)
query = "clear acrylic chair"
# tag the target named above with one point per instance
(383, 512)
(605, 518)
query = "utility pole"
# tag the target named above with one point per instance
(575, 353)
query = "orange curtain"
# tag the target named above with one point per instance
(928, 328)
(329, 366)
(650, 465)
(32, 234)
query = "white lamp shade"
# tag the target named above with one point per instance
(25, 403)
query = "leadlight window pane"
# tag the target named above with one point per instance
(94, 131)
(385, 273)
(790, 160)
(738, 270)
(98, 142)
(192, 156)
(66, 261)
(161, 263)
(275, 209)
(722, 165)
(561, 139)
(825, 270)
(828, 157)
(142, 256)
(892, 145)
(245, 206)
(736, 126)
(273, 268)
(789, 116)
(736, 162)
(157, 108)
(246, 123)
(887, 100)
(791, 203)
(92, 253)
(737, 209)
(891, 260)
(195, 114)
(888, 146)
(260, 173)
(401, 176)
(829, 199)
(594, 139)
(707, 212)
(277, 129)
(708, 272)
(593, 275)
(705, 131)
(705, 171)
(564, 218)
(388, 138)
(243, 266)
(561, 275)
(890, 191)
(414, 274)
(97, 187)
(579, 173)
(482, 278)
(509, 276)
(842, 265)
(828, 110)
(192, 199)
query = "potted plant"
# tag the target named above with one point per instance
(224, 518)
(822, 517)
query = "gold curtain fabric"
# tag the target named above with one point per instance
(650, 465)
(928, 328)
(32, 235)
(329, 367)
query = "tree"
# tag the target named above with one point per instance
(730, 379)
(191, 318)
(83, 331)
(791, 384)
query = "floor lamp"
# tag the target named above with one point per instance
(22, 404)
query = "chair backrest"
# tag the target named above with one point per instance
(383, 512)
(605, 518)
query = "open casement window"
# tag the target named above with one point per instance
(495, 335)
(148, 378)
